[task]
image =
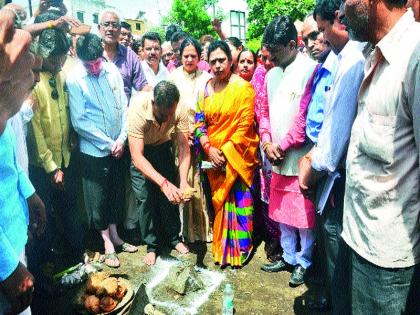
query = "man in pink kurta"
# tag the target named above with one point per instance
(282, 135)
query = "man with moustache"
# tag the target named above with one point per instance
(124, 58)
(176, 40)
(381, 224)
(167, 53)
(314, 40)
(126, 38)
(326, 157)
(153, 68)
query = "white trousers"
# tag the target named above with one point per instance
(288, 241)
(4, 304)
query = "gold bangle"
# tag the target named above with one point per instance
(266, 145)
(50, 25)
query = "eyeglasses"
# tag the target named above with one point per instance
(168, 54)
(126, 34)
(113, 25)
(53, 84)
(313, 36)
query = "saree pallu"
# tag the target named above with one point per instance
(227, 118)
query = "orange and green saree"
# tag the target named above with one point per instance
(227, 118)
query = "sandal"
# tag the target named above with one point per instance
(111, 260)
(128, 248)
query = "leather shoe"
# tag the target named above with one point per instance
(298, 276)
(276, 266)
(320, 303)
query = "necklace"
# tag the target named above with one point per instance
(216, 114)
(222, 84)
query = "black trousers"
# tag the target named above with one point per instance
(333, 253)
(63, 216)
(159, 219)
(103, 189)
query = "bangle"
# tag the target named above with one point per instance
(266, 145)
(206, 147)
(50, 25)
(207, 150)
(165, 181)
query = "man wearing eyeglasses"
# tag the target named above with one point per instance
(176, 41)
(167, 53)
(125, 36)
(134, 79)
(125, 59)
(51, 167)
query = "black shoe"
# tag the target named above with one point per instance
(320, 303)
(297, 276)
(276, 266)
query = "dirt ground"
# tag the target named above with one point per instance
(256, 292)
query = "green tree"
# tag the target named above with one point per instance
(261, 12)
(192, 16)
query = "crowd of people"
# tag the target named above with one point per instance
(311, 144)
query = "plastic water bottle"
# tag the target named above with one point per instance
(228, 300)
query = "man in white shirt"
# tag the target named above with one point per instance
(153, 68)
(382, 198)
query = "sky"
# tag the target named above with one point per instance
(128, 8)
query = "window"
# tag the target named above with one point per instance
(95, 18)
(237, 24)
(80, 16)
(138, 26)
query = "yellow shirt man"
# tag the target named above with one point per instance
(49, 142)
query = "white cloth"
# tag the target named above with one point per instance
(382, 197)
(288, 241)
(340, 109)
(151, 77)
(19, 125)
(284, 91)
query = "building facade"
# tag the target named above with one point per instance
(85, 11)
(235, 14)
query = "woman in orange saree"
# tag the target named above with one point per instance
(226, 134)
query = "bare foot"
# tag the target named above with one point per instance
(182, 248)
(150, 259)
